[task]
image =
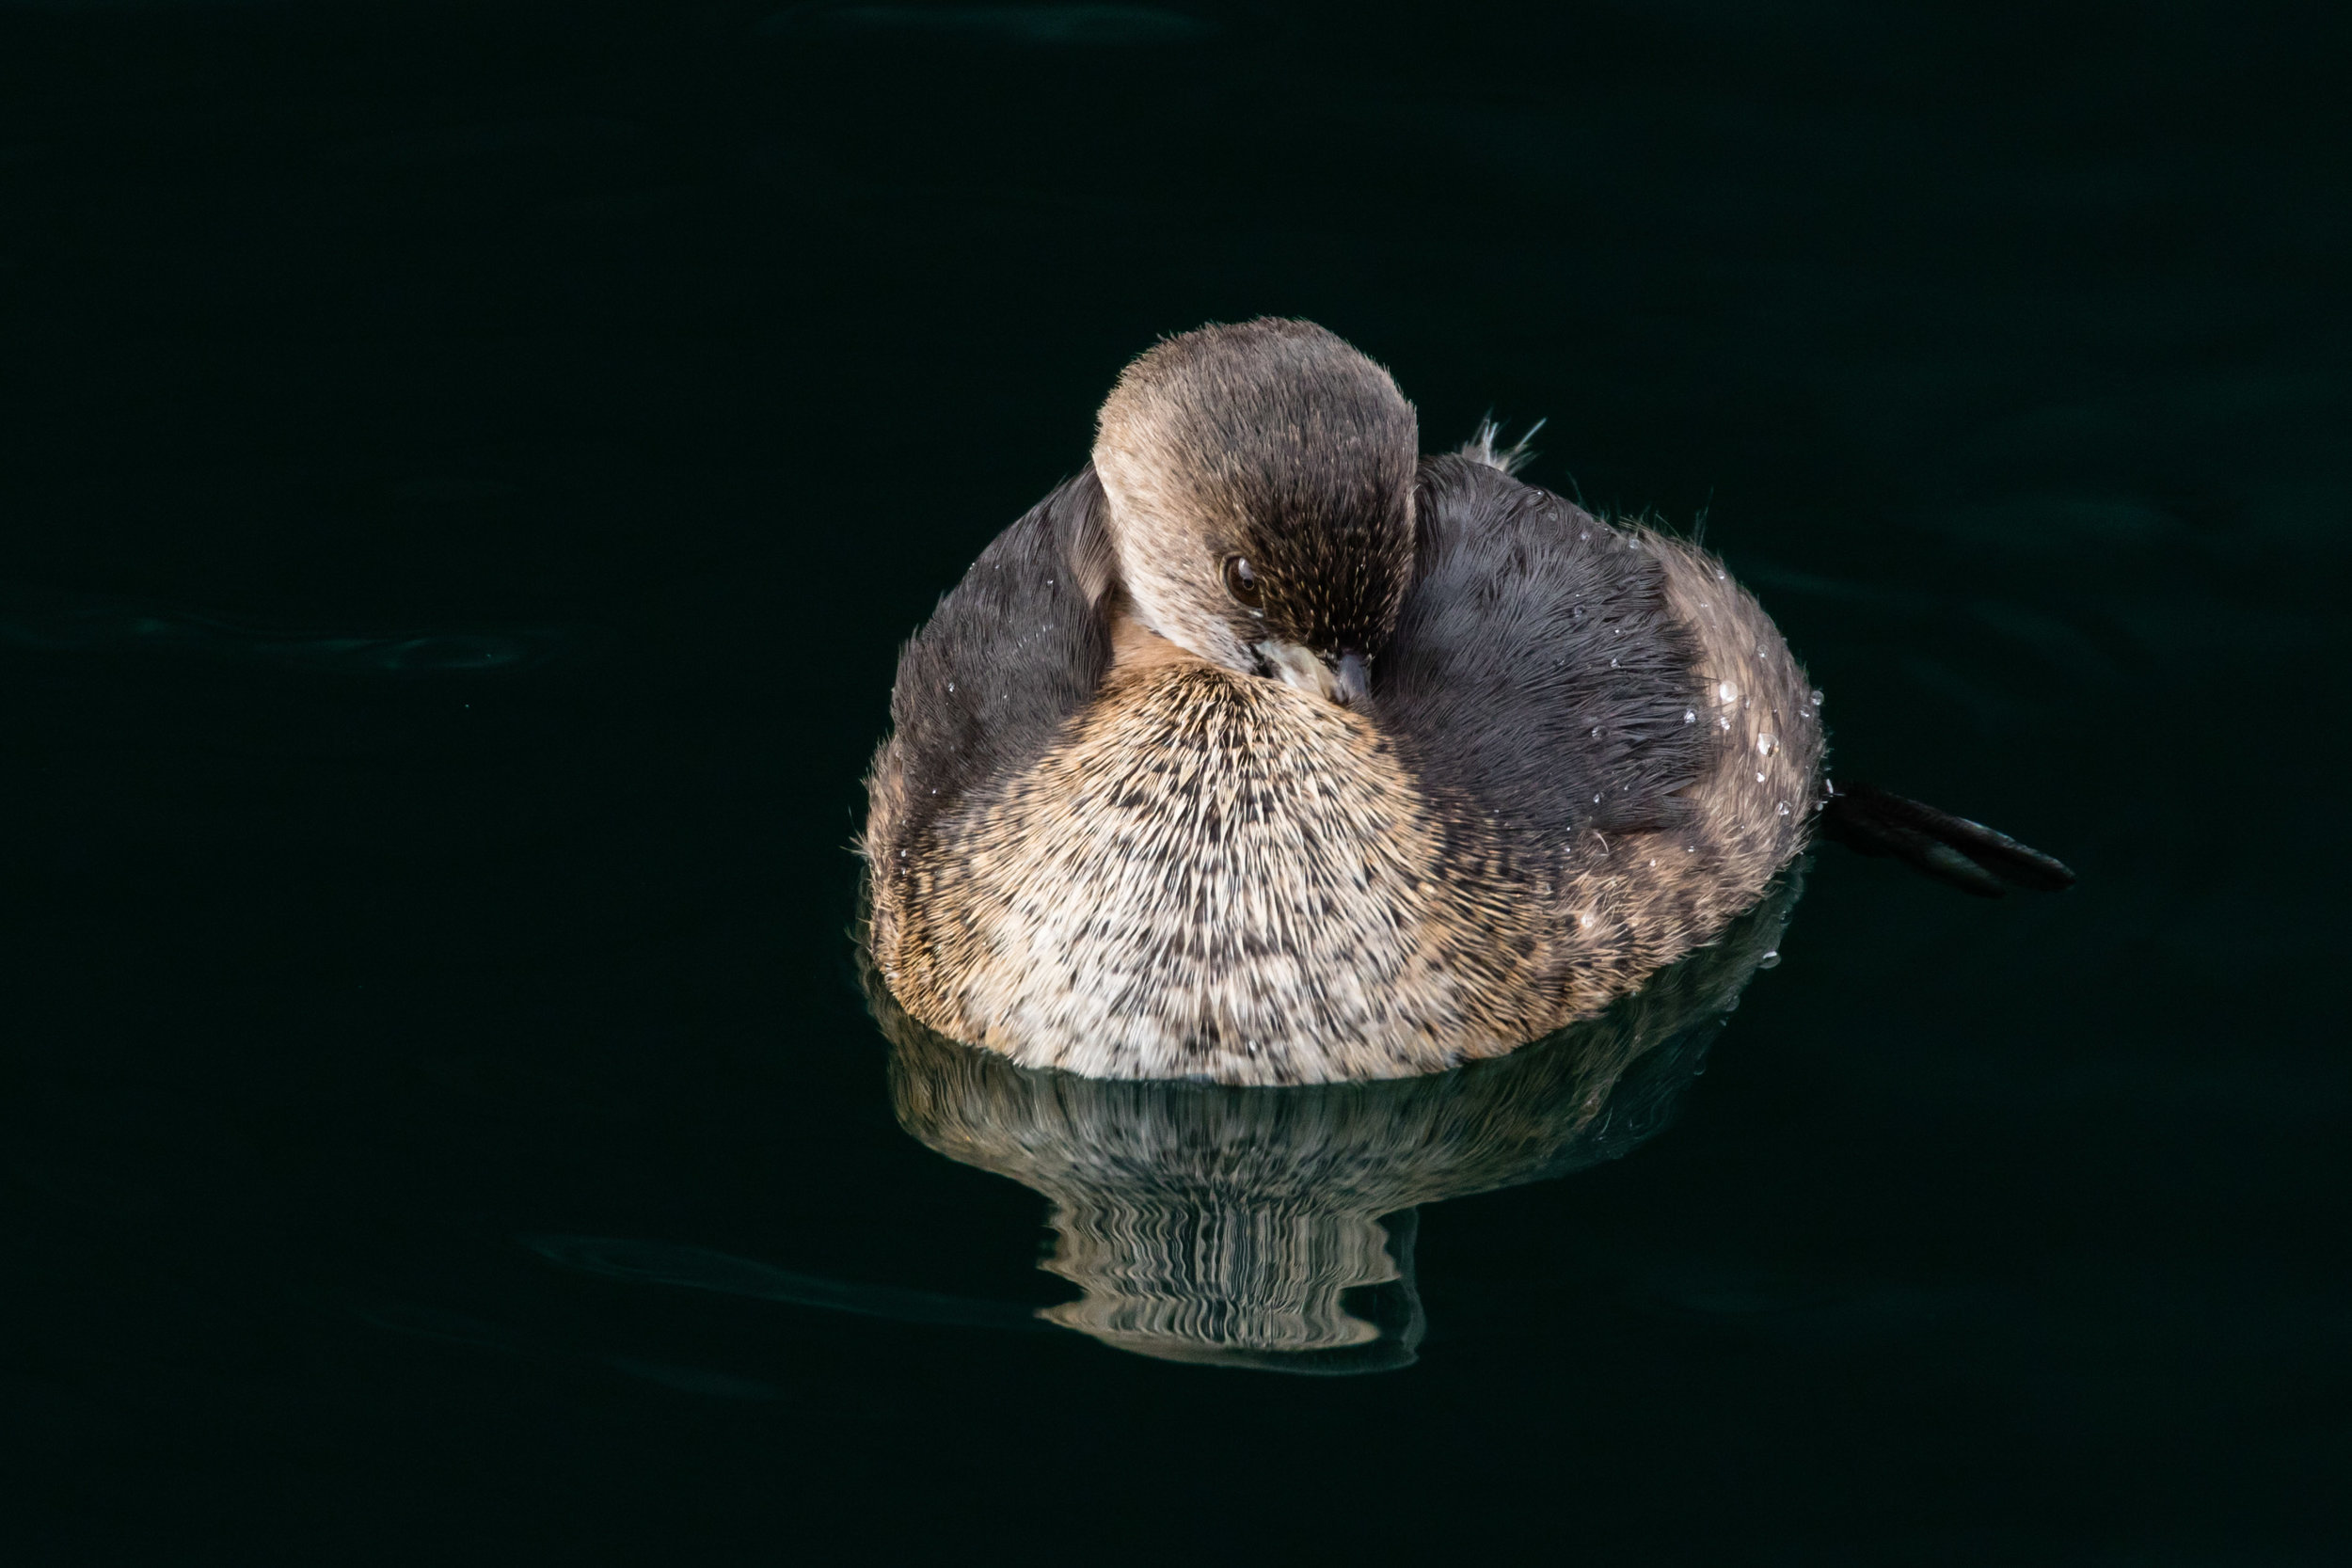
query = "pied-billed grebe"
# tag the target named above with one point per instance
(1267, 751)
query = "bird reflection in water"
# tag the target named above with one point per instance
(1273, 1227)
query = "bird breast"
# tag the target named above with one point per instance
(1216, 875)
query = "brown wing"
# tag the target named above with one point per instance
(1536, 667)
(1012, 651)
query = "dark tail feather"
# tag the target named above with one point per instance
(1968, 855)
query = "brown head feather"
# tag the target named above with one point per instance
(1277, 442)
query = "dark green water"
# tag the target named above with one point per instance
(467, 471)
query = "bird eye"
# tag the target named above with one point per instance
(1242, 582)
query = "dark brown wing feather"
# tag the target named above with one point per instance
(1011, 652)
(1536, 669)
